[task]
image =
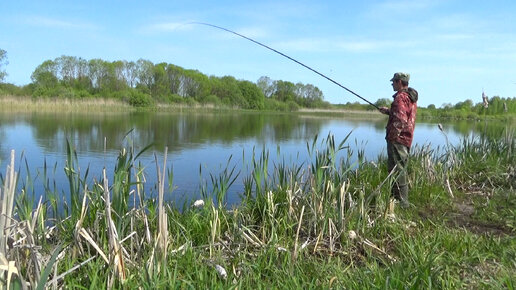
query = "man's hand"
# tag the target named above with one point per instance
(385, 110)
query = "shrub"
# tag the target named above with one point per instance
(292, 106)
(83, 94)
(139, 99)
(274, 105)
(211, 99)
(190, 101)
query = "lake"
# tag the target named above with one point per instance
(200, 144)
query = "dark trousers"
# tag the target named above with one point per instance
(397, 157)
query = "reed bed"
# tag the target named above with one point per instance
(326, 224)
(28, 104)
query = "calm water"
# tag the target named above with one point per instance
(199, 144)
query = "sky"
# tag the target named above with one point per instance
(452, 49)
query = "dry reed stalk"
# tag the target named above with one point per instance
(294, 254)
(289, 199)
(370, 244)
(162, 216)
(389, 210)
(6, 210)
(291, 194)
(115, 252)
(448, 187)
(11, 269)
(342, 200)
(145, 220)
(61, 276)
(78, 225)
(26, 229)
(88, 238)
(251, 238)
(331, 230)
(317, 242)
(80, 231)
(36, 215)
(7, 200)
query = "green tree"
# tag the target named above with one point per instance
(195, 84)
(252, 94)
(308, 95)
(145, 72)
(464, 106)
(266, 85)
(226, 88)
(117, 75)
(160, 82)
(45, 79)
(174, 74)
(3, 61)
(285, 91)
(82, 81)
(130, 73)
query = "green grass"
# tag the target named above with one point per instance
(292, 228)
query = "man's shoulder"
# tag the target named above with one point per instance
(409, 94)
(401, 95)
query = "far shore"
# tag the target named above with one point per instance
(28, 104)
(16, 104)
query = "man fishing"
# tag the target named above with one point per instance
(400, 132)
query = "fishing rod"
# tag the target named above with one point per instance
(284, 55)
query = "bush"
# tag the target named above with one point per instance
(274, 105)
(211, 99)
(11, 90)
(83, 94)
(45, 92)
(190, 101)
(292, 106)
(139, 99)
(173, 98)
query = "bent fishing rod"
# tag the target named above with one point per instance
(284, 55)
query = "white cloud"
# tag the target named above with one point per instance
(352, 45)
(56, 23)
(166, 27)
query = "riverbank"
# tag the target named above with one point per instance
(97, 105)
(327, 225)
(29, 104)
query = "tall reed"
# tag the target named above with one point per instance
(323, 224)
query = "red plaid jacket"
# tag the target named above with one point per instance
(402, 117)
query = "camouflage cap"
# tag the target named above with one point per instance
(401, 76)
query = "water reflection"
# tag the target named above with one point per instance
(177, 130)
(203, 140)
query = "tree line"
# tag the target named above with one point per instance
(494, 106)
(143, 83)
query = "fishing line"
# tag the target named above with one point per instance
(284, 55)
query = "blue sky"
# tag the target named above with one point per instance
(452, 49)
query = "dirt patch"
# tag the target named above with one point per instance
(462, 217)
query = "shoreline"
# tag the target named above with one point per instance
(97, 105)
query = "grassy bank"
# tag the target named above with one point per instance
(29, 104)
(327, 225)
